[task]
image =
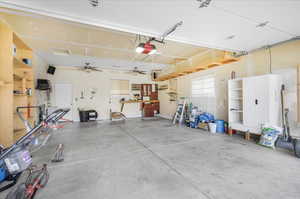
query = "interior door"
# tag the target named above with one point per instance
(64, 98)
(255, 101)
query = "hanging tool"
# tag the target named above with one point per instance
(58, 155)
(286, 141)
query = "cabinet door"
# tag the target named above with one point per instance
(255, 101)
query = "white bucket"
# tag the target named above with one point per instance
(212, 127)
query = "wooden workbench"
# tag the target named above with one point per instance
(139, 101)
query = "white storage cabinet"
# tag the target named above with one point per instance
(254, 101)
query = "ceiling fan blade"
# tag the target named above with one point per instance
(96, 69)
(143, 73)
(130, 73)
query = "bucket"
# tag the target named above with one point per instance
(192, 124)
(212, 127)
(220, 126)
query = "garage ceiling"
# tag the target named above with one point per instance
(101, 47)
(208, 27)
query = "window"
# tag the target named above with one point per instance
(119, 87)
(203, 93)
(203, 86)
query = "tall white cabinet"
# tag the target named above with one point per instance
(254, 101)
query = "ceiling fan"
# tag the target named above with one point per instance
(88, 68)
(136, 71)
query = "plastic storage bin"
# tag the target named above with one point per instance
(220, 126)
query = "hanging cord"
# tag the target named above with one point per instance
(270, 59)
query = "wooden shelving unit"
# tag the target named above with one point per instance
(225, 59)
(16, 78)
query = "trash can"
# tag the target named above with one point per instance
(212, 127)
(220, 126)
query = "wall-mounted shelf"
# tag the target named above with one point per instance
(19, 42)
(236, 89)
(190, 70)
(237, 98)
(4, 83)
(19, 65)
(14, 76)
(236, 111)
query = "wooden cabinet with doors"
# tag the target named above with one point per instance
(149, 92)
(16, 85)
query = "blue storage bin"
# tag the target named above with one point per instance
(220, 126)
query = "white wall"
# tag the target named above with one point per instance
(284, 57)
(82, 81)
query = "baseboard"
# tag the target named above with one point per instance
(133, 116)
(168, 117)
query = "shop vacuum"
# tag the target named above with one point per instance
(286, 141)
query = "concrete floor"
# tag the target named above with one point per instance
(155, 160)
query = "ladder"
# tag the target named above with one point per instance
(178, 117)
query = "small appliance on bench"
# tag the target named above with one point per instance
(87, 115)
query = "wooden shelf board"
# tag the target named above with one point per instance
(19, 43)
(195, 69)
(4, 83)
(230, 60)
(236, 89)
(214, 65)
(19, 65)
(20, 95)
(19, 130)
(236, 111)
(18, 76)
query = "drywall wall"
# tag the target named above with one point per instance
(84, 82)
(257, 63)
